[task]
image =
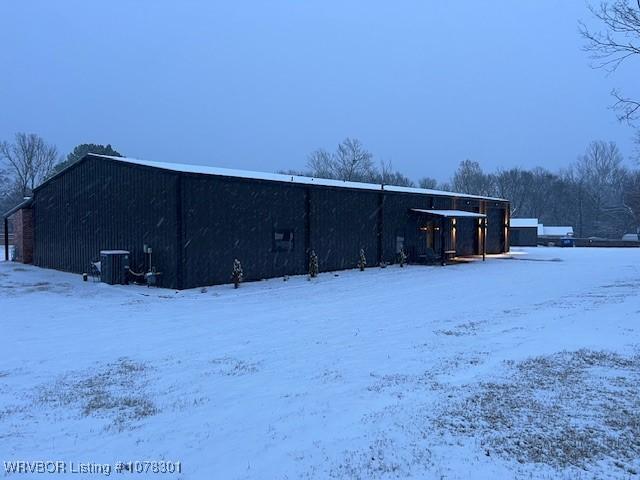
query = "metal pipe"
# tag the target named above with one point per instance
(6, 239)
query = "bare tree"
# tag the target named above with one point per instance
(350, 162)
(321, 164)
(515, 185)
(30, 159)
(386, 171)
(398, 179)
(9, 194)
(428, 183)
(388, 176)
(601, 179)
(632, 197)
(619, 41)
(353, 162)
(445, 187)
(469, 178)
(541, 192)
(601, 164)
(627, 109)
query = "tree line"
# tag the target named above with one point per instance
(29, 160)
(597, 194)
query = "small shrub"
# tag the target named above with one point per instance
(236, 274)
(313, 264)
(363, 260)
(402, 257)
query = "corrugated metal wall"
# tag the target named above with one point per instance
(523, 236)
(342, 222)
(101, 204)
(226, 218)
(496, 218)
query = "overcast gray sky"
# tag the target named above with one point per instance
(259, 85)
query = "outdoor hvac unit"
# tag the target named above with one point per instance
(113, 266)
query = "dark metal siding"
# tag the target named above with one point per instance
(523, 236)
(342, 222)
(466, 236)
(101, 204)
(496, 218)
(226, 218)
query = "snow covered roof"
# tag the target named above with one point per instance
(450, 213)
(278, 177)
(523, 222)
(557, 231)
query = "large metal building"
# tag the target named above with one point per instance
(197, 220)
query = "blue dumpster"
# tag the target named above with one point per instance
(567, 242)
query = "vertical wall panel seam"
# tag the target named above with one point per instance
(179, 234)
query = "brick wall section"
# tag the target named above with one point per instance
(27, 235)
(22, 227)
(15, 227)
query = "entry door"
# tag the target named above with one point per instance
(432, 236)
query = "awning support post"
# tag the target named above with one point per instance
(443, 248)
(484, 239)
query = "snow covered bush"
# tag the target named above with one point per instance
(236, 274)
(402, 257)
(363, 260)
(313, 264)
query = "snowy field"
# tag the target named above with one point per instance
(525, 366)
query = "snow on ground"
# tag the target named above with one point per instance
(524, 366)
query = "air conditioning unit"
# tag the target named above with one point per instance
(113, 266)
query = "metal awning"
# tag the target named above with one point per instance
(449, 213)
(26, 203)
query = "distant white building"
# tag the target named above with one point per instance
(555, 231)
(527, 232)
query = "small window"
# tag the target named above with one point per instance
(283, 240)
